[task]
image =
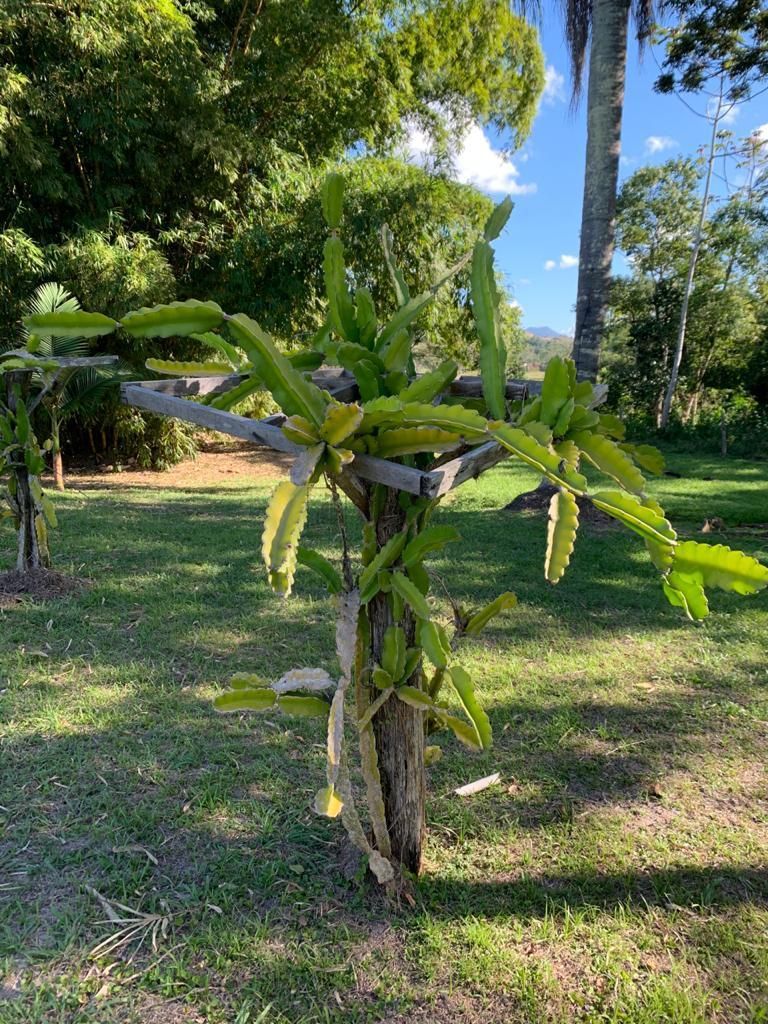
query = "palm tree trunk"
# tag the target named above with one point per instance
(58, 462)
(605, 103)
(58, 470)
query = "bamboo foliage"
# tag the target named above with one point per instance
(414, 663)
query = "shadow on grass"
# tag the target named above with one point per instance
(179, 599)
(537, 895)
(223, 804)
(183, 563)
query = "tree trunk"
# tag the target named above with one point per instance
(605, 102)
(695, 249)
(58, 470)
(58, 462)
(30, 554)
(398, 728)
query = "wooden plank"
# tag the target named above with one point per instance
(181, 386)
(204, 416)
(404, 478)
(68, 362)
(467, 466)
(471, 386)
(383, 471)
(62, 362)
(341, 385)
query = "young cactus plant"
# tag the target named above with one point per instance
(401, 677)
(22, 459)
(31, 378)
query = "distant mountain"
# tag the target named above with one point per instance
(542, 344)
(543, 332)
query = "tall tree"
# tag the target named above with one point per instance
(658, 212)
(599, 28)
(718, 44)
(718, 114)
(709, 34)
(606, 22)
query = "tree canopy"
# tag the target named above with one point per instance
(657, 212)
(158, 149)
(713, 38)
(172, 114)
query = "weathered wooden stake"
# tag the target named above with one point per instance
(30, 554)
(398, 728)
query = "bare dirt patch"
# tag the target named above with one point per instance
(149, 1009)
(40, 585)
(458, 1006)
(537, 503)
(218, 462)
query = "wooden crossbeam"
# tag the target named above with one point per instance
(471, 386)
(62, 362)
(404, 478)
(170, 398)
(467, 466)
(342, 385)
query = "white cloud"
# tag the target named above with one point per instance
(729, 111)
(658, 143)
(566, 262)
(554, 85)
(761, 134)
(475, 162)
(478, 163)
(627, 161)
(516, 305)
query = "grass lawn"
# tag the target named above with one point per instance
(618, 874)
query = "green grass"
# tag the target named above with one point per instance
(618, 874)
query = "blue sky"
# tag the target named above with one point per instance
(546, 175)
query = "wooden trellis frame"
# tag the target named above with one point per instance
(169, 398)
(397, 733)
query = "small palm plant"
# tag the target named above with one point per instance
(80, 390)
(31, 379)
(400, 674)
(22, 462)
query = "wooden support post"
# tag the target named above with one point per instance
(398, 728)
(30, 553)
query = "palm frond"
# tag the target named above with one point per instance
(578, 28)
(87, 390)
(51, 298)
(577, 17)
(64, 347)
(645, 17)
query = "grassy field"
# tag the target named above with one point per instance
(618, 874)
